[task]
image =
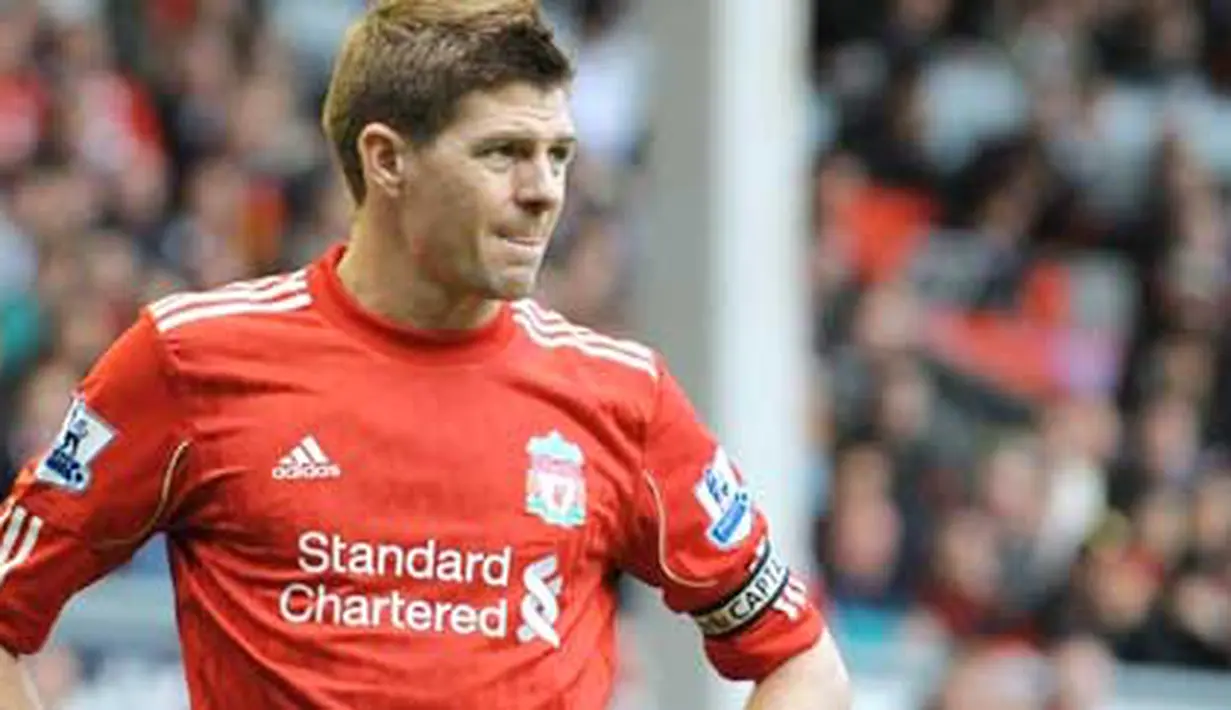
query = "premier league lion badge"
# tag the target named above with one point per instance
(555, 484)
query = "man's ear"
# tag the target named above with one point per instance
(382, 151)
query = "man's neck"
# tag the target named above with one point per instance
(382, 276)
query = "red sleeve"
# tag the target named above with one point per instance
(95, 494)
(699, 537)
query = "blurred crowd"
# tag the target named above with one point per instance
(1019, 255)
(1020, 250)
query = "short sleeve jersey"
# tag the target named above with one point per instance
(363, 515)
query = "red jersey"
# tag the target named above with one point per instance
(361, 515)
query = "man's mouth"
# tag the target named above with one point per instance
(524, 240)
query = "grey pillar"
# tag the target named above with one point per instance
(722, 289)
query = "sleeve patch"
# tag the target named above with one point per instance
(81, 438)
(726, 501)
(764, 586)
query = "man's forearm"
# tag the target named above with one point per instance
(16, 691)
(814, 680)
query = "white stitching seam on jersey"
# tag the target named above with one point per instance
(551, 322)
(259, 290)
(197, 313)
(263, 281)
(164, 497)
(662, 541)
(599, 351)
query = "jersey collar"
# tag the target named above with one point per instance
(419, 345)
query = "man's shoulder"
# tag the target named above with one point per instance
(235, 325)
(578, 348)
(217, 311)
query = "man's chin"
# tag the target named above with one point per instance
(513, 287)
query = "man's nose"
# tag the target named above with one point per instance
(540, 186)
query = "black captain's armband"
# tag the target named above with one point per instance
(740, 610)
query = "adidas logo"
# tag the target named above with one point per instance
(306, 461)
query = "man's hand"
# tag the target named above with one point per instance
(16, 691)
(814, 680)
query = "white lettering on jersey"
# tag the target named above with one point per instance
(763, 589)
(302, 603)
(327, 557)
(320, 553)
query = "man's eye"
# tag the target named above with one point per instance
(501, 152)
(561, 154)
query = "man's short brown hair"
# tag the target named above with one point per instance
(407, 63)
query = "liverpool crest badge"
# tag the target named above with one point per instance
(555, 484)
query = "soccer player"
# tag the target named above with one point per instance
(390, 480)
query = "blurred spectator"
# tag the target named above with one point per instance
(861, 539)
(24, 96)
(1164, 452)
(41, 406)
(611, 90)
(208, 241)
(1078, 439)
(1083, 674)
(584, 281)
(986, 677)
(888, 132)
(1149, 40)
(963, 592)
(1160, 531)
(1211, 521)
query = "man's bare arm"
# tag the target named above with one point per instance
(16, 691)
(814, 680)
